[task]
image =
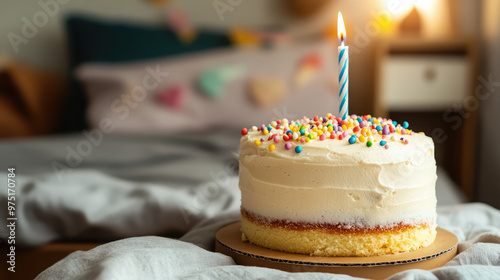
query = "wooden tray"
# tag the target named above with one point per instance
(228, 241)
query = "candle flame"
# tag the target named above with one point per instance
(341, 30)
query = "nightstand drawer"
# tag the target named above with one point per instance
(424, 82)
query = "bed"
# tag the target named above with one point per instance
(154, 199)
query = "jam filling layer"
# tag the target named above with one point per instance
(339, 228)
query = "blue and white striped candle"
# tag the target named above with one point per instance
(344, 69)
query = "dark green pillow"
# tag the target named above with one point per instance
(92, 40)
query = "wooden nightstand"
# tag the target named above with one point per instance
(431, 84)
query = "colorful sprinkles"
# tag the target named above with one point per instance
(355, 130)
(298, 149)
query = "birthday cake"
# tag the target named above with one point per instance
(324, 186)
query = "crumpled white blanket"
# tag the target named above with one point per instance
(476, 225)
(90, 205)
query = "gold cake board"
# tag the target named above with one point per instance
(228, 242)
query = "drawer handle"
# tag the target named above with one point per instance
(430, 74)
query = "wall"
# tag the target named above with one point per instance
(489, 165)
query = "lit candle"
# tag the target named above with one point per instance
(344, 69)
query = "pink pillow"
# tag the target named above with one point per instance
(132, 95)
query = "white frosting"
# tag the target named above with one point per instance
(332, 181)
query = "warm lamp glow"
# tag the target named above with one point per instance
(341, 33)
(400, 8)
(425, 5)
